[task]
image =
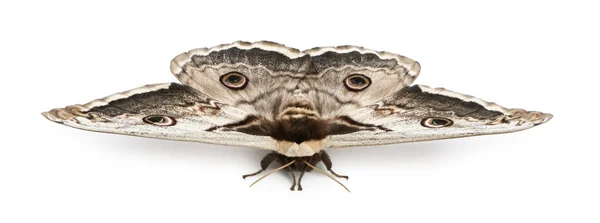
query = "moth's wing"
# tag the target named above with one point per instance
(268, 66)
(388, 73)
(194, 116)
(408, 115)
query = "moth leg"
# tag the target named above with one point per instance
(300, 178)
(304, 169)
(327, 161)
(293, 175)
(264, 164)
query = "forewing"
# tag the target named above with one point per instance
(407, 115)
(194, 116)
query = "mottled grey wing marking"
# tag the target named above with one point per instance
(414, 98)
(332, 59)
(161, 101)
(404, 112)
(271, 60)
(270, 67)
(388, 72)
(195, 114)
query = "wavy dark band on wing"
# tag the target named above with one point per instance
(414, 97)
(354, 58)
(150, 102)
(279, 62)
(271, 60)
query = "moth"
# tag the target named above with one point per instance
(294, 103)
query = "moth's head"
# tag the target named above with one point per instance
(296, 105)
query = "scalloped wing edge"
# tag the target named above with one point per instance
(510, 114)
(412, 67)
(68, 113)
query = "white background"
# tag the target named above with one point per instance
(534, 55)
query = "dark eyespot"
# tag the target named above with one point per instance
(357, 82)
(436, 122)
(234, 80)
(159, 120)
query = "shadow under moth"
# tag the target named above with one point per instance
(294, 103)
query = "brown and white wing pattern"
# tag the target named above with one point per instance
(270, 68)
(387, 72)
(273, 97)
(167, 111)
(421, 113)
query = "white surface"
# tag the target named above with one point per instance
(538, 56)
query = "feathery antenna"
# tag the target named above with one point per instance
(275, 170)
(323, 172)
